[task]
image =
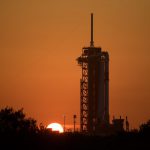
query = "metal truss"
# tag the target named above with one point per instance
(84, 97)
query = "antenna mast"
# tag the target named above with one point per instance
(92, 42)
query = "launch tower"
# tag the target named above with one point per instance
(94, 87)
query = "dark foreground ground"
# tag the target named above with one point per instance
(74, 141)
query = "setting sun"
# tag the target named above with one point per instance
(56, 127)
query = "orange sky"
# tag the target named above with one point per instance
(41, 39)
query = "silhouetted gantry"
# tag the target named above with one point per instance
(94, 87)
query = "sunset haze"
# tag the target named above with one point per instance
(41, 39)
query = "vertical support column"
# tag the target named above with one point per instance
(74, 122)
(106, 87)
(64, 123)
(101, 90)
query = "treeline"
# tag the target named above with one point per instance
(21, 133)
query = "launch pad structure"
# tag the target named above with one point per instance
(94, 87)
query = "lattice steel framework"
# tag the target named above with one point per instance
(94, 87)
(84, 97)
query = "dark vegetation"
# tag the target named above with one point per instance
(20, 133)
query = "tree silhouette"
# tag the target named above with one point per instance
(18, 132)
(12, 121)
(145, 128)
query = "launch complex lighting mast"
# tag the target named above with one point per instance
(94, 87)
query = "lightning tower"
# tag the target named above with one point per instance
(94, 87)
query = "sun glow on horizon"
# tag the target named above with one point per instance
(56, 127)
